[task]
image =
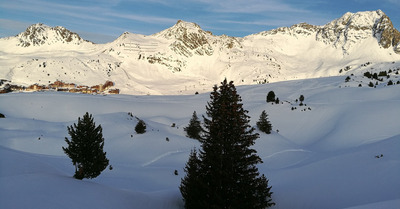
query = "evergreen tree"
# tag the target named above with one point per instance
(368, 74)
(371, 84)
(227, 175)
(140, 127)
(86, 148)
(301, 99)
(263, 124)
(271, 96)
(193, 130)
(191, 187)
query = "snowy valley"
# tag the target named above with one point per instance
(340, 150)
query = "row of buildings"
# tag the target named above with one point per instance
(65, 87)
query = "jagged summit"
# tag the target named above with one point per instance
(348, 30)
(39, 34)
(352, 28)
(180, 29)
(188, 39)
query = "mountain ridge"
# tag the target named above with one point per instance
(185, 58)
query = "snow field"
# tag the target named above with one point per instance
(319, 158)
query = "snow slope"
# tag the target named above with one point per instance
(322, 155)
(185, 59)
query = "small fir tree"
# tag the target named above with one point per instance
(263, 124)
(193, 130)
(271, 96)
(86, 148)
(370, 84)
(301, 99)
(140, 127)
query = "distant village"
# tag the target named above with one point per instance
(105, 88)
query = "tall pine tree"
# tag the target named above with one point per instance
(86, 148)
(227, 174)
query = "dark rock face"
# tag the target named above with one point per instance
(386, 34)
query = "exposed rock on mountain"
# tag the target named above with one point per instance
(352, 28)
(348, 30)
(189, 39)
(297, 29)
(387, 35)
(39, 34)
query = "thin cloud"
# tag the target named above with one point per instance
(260, 22)
(395, 2)
(82, 12)
(141, 18)
(41, 7)
(249, 6)
(12, 27)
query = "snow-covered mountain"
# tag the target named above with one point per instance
(39, 34)
(184, 59)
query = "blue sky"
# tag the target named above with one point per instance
(102, 21)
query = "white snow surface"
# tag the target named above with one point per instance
(320, 158)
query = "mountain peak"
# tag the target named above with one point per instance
(386, 34)
(351, 28)
(359, 21)
(39, 34)
(184, 24)
(188, 39)
(180, 29)
(348, 30)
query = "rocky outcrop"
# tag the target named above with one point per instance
(189, 39)
(352, 28)
(297, 29)
(386, 34)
